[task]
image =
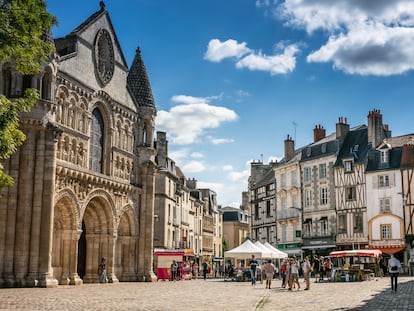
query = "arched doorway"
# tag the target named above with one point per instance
(82, 252)
(97, 240)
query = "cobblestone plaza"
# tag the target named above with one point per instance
(213, 294)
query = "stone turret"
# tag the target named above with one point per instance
(162, 149)
(138, 82)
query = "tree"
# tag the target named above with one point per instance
(24, 25)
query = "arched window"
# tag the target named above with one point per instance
(47, 85)
(7, 82)
(97, 142)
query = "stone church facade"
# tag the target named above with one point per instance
(84, 178)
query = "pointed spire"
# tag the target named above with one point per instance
(138, 82)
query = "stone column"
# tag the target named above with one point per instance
(74, 277)
(146, 224)
(111, 259)
(46, 237)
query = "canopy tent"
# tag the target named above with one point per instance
(280, 254)
(267, 253)
(357, 252)
(245, 250)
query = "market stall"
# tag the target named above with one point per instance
(355, 265)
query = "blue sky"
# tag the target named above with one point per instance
(231, 79)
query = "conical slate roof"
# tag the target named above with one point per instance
(138, 82)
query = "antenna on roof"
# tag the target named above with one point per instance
(294, 130)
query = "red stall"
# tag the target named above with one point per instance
(164, 257)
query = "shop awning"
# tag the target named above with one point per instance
(391, 250)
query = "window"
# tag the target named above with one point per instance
(341, 223)
(96, 142)
(295, 201)
(324, 226)
(385, 205)
(283, 203)
(383, 181)
(324, 196)
(350, 193)
(358, 223)
(283, 180)
(308, 198)
(256, 212)
(294, 178)
(307, 174)
(384, 156)
(348, 165)
(322, 170)
(307, 227)
(268, 213)
(386, 232)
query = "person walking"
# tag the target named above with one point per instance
(307, 269)
(174, 269)
(253, 269)
(195, 270)
(283, 271)
(269, 271)
(205, 270)
(294, 273)
(394, 266)
(102, 270)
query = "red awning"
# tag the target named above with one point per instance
(391, 250)
(357, 252)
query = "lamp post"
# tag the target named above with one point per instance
(301, 227)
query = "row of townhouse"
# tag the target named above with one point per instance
(185, 217)
(350, 189)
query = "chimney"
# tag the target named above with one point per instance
(387, 131)
(342, 128)
(192, 183)
(375, 129)
(256, 171)
(289, 148)
(162, 149)
(318, 133)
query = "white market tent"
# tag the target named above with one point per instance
(245, 250)
(280, 255)
(267, 252)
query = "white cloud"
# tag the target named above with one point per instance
(193, 167)
(370, 50)
(220, 141)
(365, 37)
(246, 58)
(227, 168)
(276, 64)
(179, 154)
(187, 123)
(217, 50)
(197, 155)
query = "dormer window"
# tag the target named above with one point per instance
(348, 166)
(384, 156)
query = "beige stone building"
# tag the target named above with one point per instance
(84, 178)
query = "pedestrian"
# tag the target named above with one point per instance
(205, 270)
(316, 268)
(394, 266)
(307, 269)
(195, 270)
(328, 269)
(269, 270)
(102, 270)
(294, 275)
(253, 269)
(174, 269)
(283, 271)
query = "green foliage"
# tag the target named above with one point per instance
(23, 26)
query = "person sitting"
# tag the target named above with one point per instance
(239, 276)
